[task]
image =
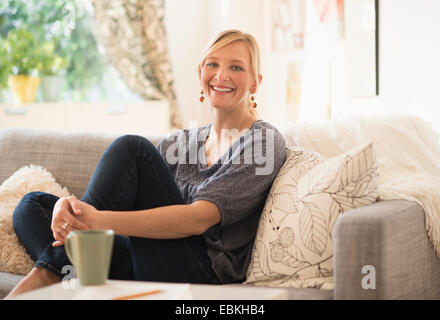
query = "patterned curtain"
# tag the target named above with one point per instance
(134, 36)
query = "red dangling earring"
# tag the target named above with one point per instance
(254, 104)
(202, 98)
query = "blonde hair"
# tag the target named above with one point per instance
(228, 36)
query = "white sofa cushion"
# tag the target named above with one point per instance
(13, 256)
(294, 243)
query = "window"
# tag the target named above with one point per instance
(64, 28)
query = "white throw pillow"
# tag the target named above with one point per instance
(294, 242)
(13, 256)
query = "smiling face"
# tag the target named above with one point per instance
(226, 76)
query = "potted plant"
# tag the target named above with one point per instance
(23, 56)
(51, 68)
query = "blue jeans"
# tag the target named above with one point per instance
(131, 175)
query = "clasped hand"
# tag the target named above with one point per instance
(70, 214)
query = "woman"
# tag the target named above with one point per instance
(186, 211)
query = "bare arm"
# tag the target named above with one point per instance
(169, 222)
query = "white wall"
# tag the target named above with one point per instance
(409, 63)
(186, 23)
(409, 57)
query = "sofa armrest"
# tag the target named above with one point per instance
(391, 237)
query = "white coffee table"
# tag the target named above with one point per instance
(71, 290)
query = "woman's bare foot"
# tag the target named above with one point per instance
(37, 278)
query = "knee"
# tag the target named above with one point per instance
(134, 142)
(24, 211)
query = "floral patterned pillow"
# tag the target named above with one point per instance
(294, 242)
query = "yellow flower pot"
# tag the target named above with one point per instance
(24, 88)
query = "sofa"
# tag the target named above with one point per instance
(389, 235)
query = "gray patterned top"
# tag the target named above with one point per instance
(238, 183)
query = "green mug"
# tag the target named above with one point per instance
(90, 252)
